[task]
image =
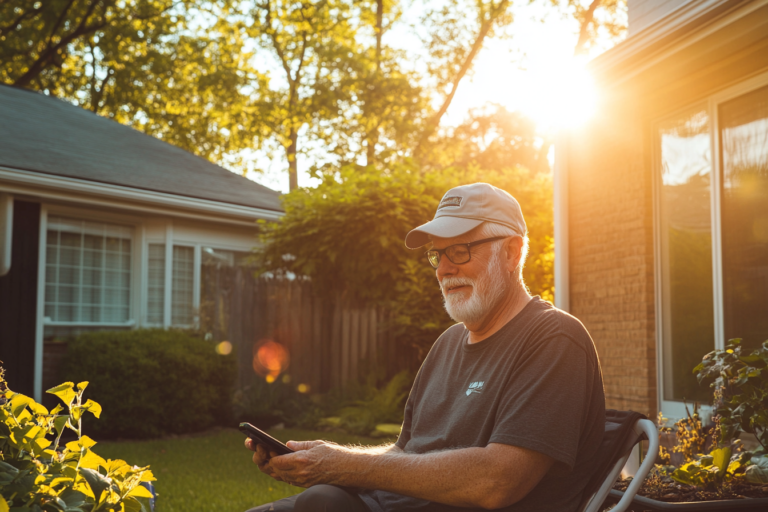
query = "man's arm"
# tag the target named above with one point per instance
(492, 477)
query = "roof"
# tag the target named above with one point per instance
(44, 134)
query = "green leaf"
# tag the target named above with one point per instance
(92, 407)
(721, 458)
(96, 481)
(60, 423)
(140, 492)
(64, 392)
(757, 473)
(18, 403)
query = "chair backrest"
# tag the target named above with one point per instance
(623, 430)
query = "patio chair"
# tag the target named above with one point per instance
(623, 430)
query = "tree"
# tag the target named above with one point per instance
(312, 43)
(136, 61)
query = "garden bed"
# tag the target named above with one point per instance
(655, 495)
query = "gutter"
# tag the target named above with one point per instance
(65, 189)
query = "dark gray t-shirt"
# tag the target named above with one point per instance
(536, 383)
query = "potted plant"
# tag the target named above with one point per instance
(716, 472)
(40, 472)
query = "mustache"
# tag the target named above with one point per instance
(452, 282)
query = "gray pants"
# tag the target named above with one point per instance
(319, 498)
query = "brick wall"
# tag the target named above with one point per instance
(611, 252)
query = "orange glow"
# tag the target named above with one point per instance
(302, 388)
(270, 359)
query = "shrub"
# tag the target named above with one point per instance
(152, 382)
(39, 472)
(265, 404)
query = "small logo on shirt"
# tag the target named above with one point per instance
(450, 202)
(475, 387)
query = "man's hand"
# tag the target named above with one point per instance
(301, 469)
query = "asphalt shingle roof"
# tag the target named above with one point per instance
(48, 135)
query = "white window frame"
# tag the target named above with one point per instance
(674, 409)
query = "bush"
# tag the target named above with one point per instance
(41, 472)
(152, 382)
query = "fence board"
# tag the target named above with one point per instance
(331, 343)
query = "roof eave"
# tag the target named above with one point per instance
(49, 186)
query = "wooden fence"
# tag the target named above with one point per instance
(331, 343)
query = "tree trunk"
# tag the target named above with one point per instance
(290, 152)
(372, 137)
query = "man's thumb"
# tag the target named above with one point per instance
(298, 446)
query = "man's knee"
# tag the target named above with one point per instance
(328, 498)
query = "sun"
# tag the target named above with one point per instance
(560, 95)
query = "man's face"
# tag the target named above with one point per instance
(472, 289)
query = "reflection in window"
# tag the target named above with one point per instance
(744, 210)
(224, 258)
(156, 284)
(182, 286)
(686, 251)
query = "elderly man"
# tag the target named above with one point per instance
(507, 410)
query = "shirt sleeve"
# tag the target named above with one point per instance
(545, 399)
(405, 430)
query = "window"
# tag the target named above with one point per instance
(156, 284)
(182, 294)
(744, 216)
(712, 234)
(88, 272)
(183, 285)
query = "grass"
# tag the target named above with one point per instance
(212, 471)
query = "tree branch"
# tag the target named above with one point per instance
(434, 121)
(587, 20)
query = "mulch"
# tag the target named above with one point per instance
(667, 490)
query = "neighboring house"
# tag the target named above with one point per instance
(662, 200)
(110, 228)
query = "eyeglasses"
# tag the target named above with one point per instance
(458, 254)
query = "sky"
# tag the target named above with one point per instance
(533, 71)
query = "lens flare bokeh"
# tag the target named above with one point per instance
(270, 359)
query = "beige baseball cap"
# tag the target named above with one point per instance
(464, 208)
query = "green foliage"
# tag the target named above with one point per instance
(38, 474)
(757, 473)
(174, 69)
(377, 406)
(267, 403)
(712, 470)
(152, 382)
(347, 235)
(741, 390)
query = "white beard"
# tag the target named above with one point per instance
(487, 291)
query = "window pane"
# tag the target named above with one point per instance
(76, 270)
(686, 252)
(156, 288)
(182, 290)
(744, 210)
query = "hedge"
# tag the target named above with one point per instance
(151, 382)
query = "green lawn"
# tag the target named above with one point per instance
(212, 472)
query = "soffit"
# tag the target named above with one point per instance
(692, 53)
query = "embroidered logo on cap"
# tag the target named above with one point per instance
(450, 202)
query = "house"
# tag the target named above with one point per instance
(104, 227)
(662, 199)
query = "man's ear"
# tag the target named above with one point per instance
(514, 247)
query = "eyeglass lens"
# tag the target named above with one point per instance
(458, 254)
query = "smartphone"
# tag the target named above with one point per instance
(264, 439)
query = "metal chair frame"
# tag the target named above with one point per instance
(648, 428)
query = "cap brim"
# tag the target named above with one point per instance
(442, 227)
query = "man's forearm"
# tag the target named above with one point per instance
(468, 477)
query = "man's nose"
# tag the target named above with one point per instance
(445, 268)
